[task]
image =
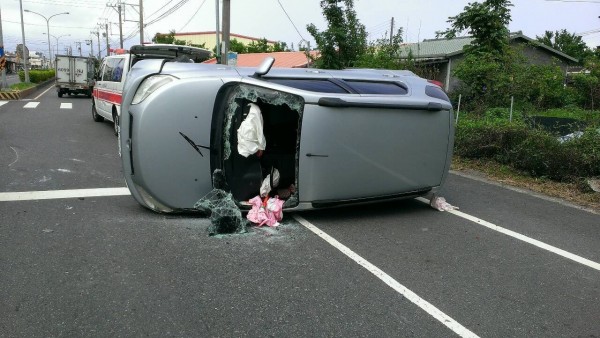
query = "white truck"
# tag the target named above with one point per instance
(74, 75)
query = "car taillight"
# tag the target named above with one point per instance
(437, 83)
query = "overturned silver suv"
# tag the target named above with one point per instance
(329, 137)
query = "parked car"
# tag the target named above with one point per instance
(108, 92)
(335, 137)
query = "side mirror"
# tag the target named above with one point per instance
(264, 66)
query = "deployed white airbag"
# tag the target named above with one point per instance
(250, 133)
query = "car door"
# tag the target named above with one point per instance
(360, 147)
(101, 89)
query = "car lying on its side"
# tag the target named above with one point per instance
(335, 137)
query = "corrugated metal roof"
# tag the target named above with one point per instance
(443, 48)
(436, 47)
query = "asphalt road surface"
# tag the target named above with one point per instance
(506, 264)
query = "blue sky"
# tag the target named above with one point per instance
(266, 18)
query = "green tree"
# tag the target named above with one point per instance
(568, 43)
(280, 47)
(487, 22)
(587, 84)
(168, 39)
(384, 54)
(237, 46)
(345, 39)
(259, 46)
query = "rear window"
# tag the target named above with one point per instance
(382, 88)
(312, 85)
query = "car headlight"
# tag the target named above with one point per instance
(149, 86)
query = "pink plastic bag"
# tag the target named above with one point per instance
(267, 212)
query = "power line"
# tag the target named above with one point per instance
(40, 25)
(288, 16)
(158, 10)
(167, 12)
(202, 4)
(64, 4)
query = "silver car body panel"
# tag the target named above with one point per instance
(352, 147)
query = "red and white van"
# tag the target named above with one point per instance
(108, 91)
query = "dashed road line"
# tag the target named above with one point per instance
(65, 105)
(523, 238)
(31, 105)
(387, 279)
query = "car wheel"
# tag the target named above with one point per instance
(60, 94)
(95, 115)
(116, 123)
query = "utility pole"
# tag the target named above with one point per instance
(107, 43)
(91, 44)
(118, 9)
(97, 33)
(226, 25)
(25, 51)
(3, 83)
(141, 22)
(218, 46)
(392, 32)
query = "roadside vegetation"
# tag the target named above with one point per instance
(525, 146)
(37, 75)
(21, 86)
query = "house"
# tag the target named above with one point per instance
(440, 56)
(209, 39)
(282, 59)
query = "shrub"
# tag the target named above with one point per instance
(532, 150)
(37, 76)
(489, 139)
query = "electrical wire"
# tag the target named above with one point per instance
(202, 4)
(288, 16)
(167, 12)
(65, 4)
(158, 10)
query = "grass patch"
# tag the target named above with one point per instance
(22, 85)
(575, 192)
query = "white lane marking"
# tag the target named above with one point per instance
(524, 191)
(65, 105)
(523, 238)
(387, 279)
(52, 194)
(44, 92)
(3, 103)
(31, 105)
(15, 161)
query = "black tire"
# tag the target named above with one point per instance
(60, 94)
(95, 115)
(116, 123)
